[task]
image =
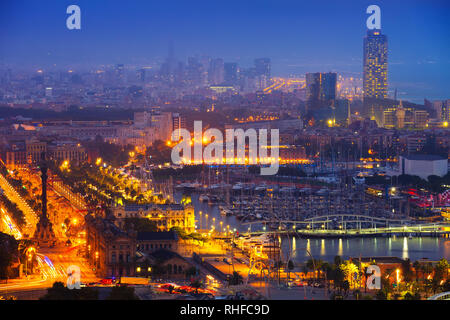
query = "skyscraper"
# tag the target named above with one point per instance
(320, 89)
(231, 73)
(375, 65)
(216, 71)
(262, 66)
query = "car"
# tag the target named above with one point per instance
(107, 281)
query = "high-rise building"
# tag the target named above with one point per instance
(141, 75)
(262, 66)
(375, 65)
(320, 89)
(178, 122)
(120, 72)
(442, 108)
(216, 71)
(230, 73)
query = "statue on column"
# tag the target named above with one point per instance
(44, 233)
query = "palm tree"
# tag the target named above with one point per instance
(311, 265)
(406, 270)
(417, 266)
(290, 267)
(305, 270)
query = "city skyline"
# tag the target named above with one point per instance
(205, 150)
(416, 69)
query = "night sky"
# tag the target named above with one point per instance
(299, 36)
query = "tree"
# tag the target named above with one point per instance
(122, 293)
(416, 265)
(346, 286)
(339, 277)
(406, 270)
(290, 267)
(180, 232)
(8, 253)
(337, 260)
(441, 269)
(381, 295)
(446, 286)
(408, 296)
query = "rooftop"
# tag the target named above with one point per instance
(424, 157)
(148, 236)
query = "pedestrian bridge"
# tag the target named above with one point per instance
(441, 296)
(338, 225)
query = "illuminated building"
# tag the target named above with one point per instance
(165, 216)
(28, 152)
(375, 65)
(110, 250)
(342, 111)
(320, 89)
(153, 241)
(393, 116)
(178, 122)
(442, 109)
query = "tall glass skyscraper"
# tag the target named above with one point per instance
(375, 65)
(320, 89)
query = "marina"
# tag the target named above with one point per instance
(321, 245)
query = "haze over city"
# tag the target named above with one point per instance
(224, 150)
(299, 36)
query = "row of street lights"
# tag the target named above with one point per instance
(213, 226)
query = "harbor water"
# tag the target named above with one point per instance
(432, 248)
